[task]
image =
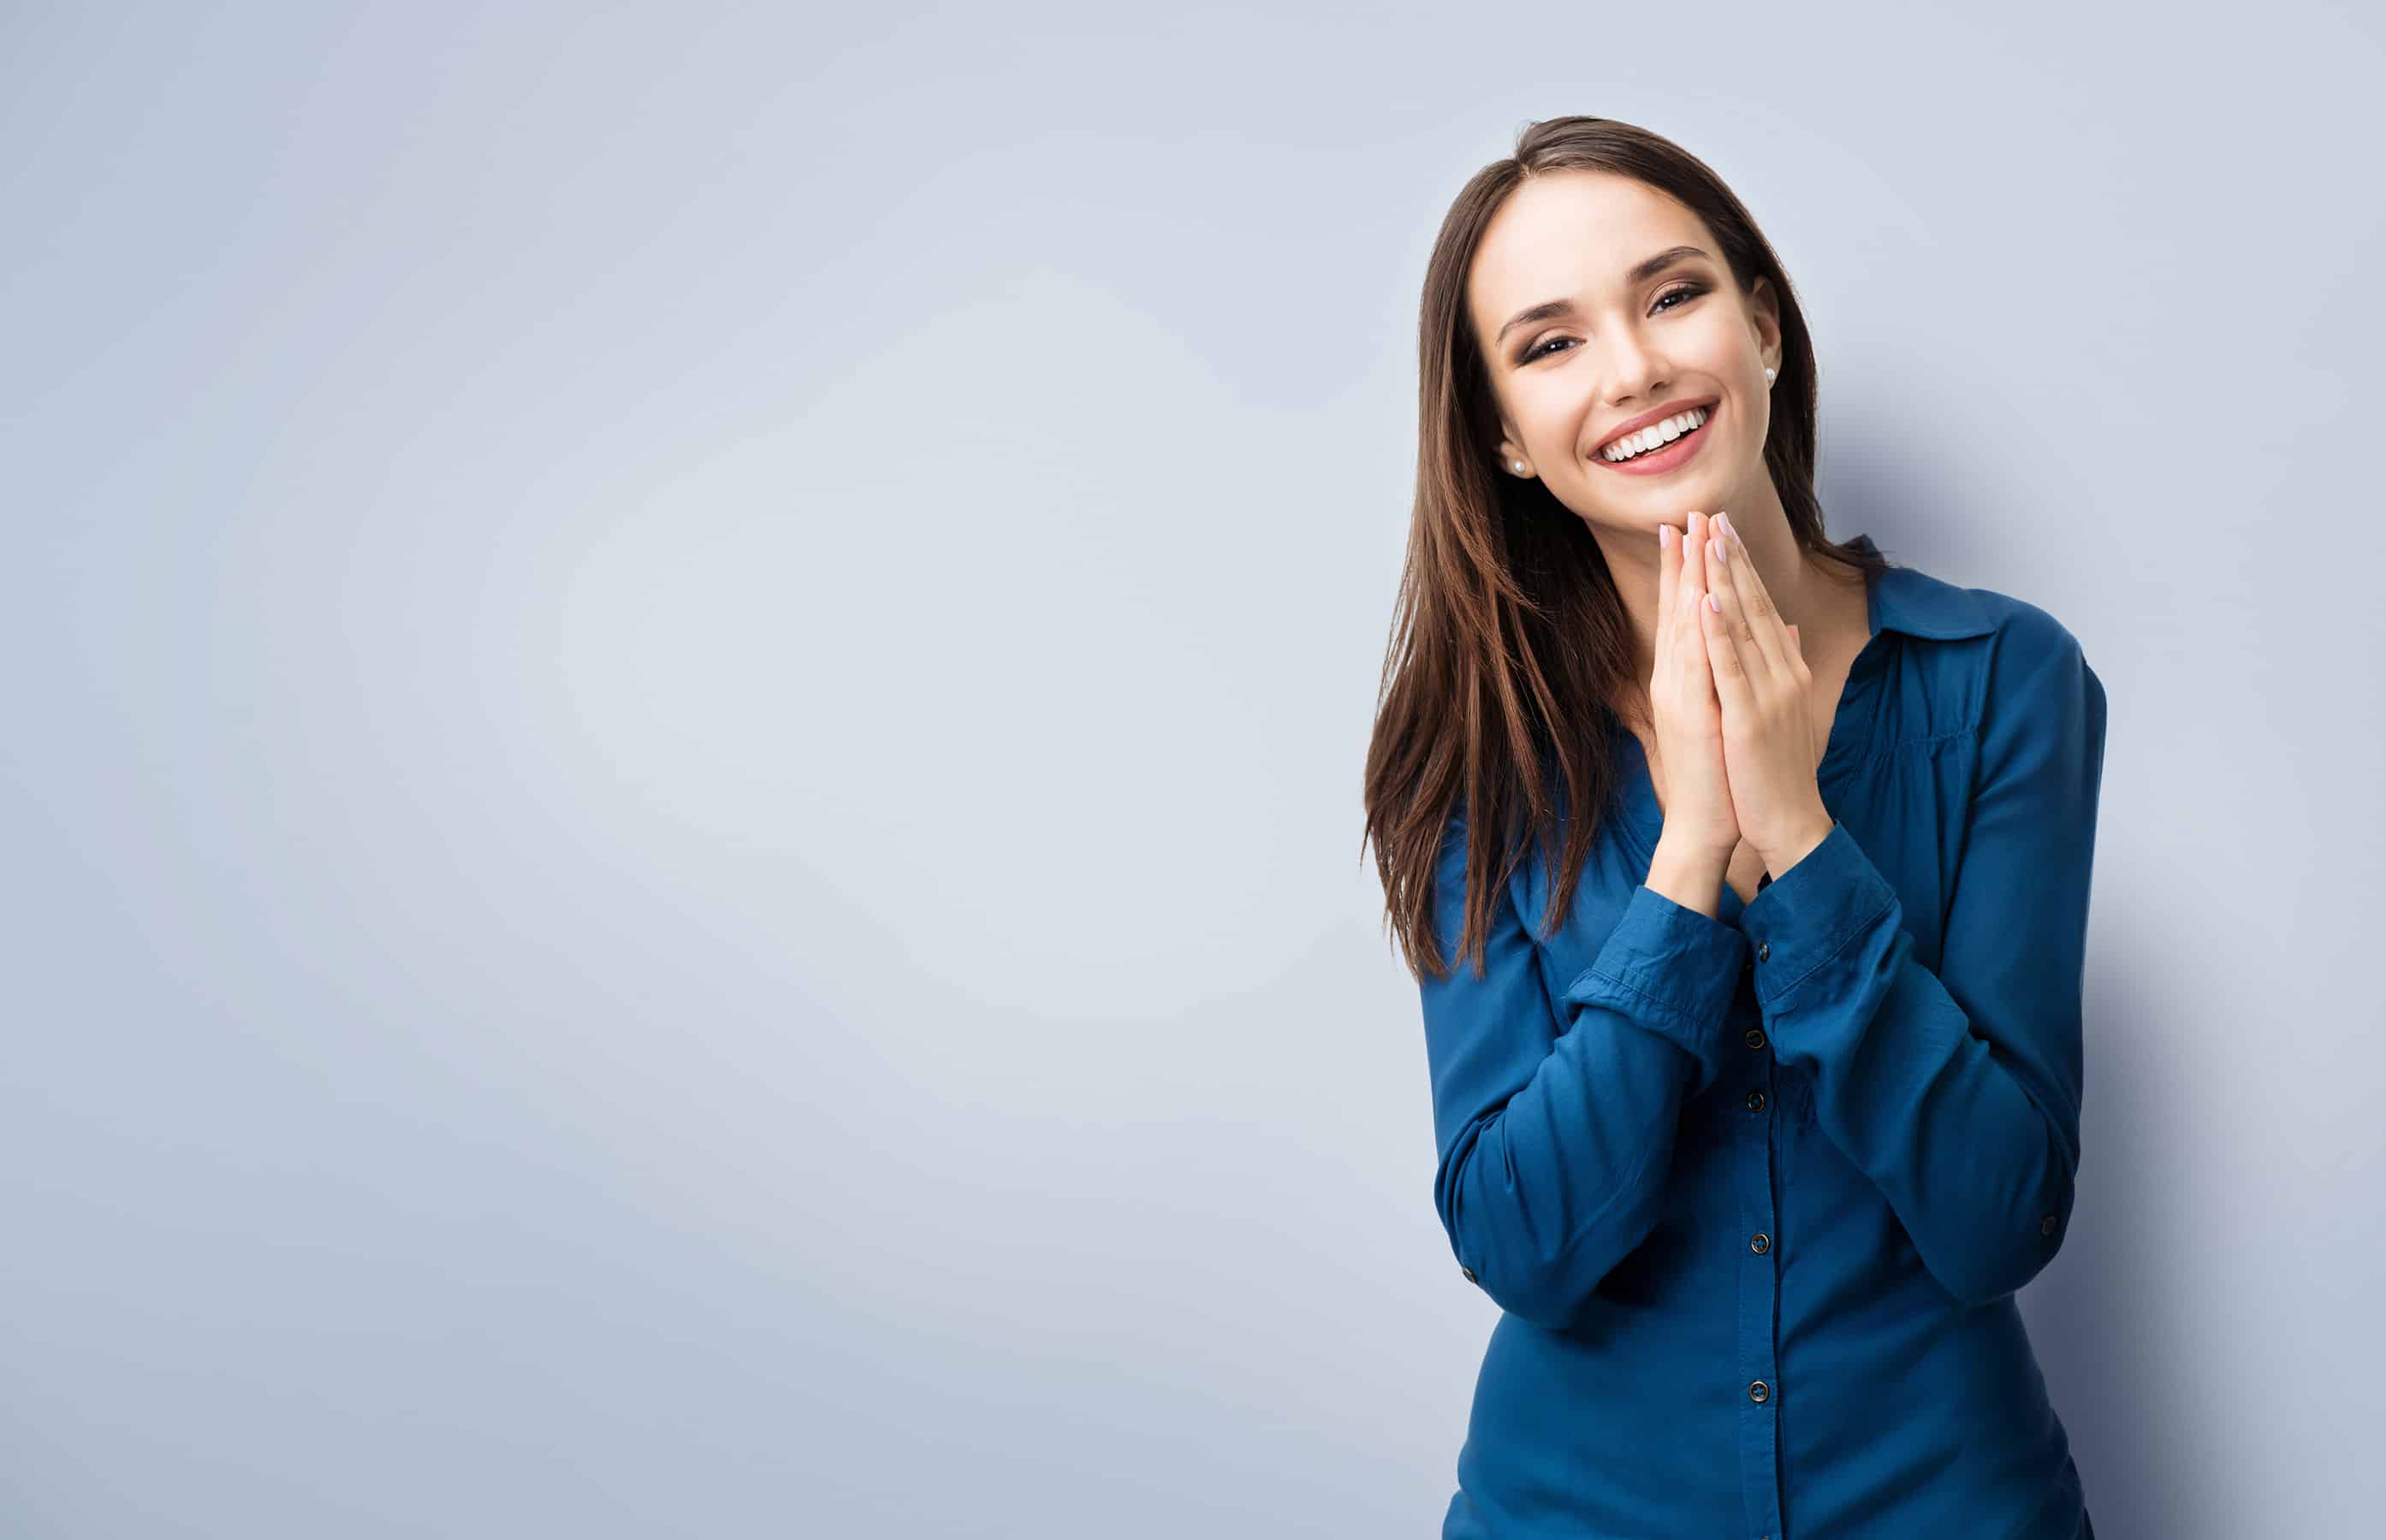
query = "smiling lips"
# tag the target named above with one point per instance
(1684, 445)
(1654, 428)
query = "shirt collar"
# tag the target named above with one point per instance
(1910, 600)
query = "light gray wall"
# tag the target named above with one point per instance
(687, 692)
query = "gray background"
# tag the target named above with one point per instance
(686, 694)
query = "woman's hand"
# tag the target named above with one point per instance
(1768, 727)
(1686, 713)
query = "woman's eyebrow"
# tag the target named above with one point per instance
(1641, 272)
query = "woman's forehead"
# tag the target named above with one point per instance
(1572, 236)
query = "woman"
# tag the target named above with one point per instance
(1756, 1089)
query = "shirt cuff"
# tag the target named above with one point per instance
(1669, 968)
(1803, 917)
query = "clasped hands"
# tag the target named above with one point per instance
(1754, 664)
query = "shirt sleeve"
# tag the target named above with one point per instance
(1958, 1091)
(1555, 1121)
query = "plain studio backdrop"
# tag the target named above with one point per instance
(687, 688)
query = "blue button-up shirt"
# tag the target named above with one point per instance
(1753, 1192)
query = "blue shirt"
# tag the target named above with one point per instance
(1753, 1192)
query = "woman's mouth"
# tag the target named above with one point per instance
(1656, 462)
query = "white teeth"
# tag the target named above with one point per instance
(1653, 437)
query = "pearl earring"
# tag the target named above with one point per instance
(1519, 465)
(1768, 377)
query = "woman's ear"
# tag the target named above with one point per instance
(1765, 311)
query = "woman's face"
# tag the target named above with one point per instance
(1603, 344)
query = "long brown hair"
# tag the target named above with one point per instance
(1511, 646)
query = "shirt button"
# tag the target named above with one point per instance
(1468, 1273)
(1755, 1038)
(1756, 1101)
(1763, 951)
(2046, 1226)
(1759, 1391)
(1760, 1242)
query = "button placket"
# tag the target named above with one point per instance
(1753, 1153)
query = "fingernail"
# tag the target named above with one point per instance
(1723, 523)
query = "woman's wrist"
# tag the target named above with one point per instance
(1689, 877)
(1797, 846)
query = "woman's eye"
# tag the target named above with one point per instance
(1687, 291)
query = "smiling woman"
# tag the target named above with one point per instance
(1751, 1144)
